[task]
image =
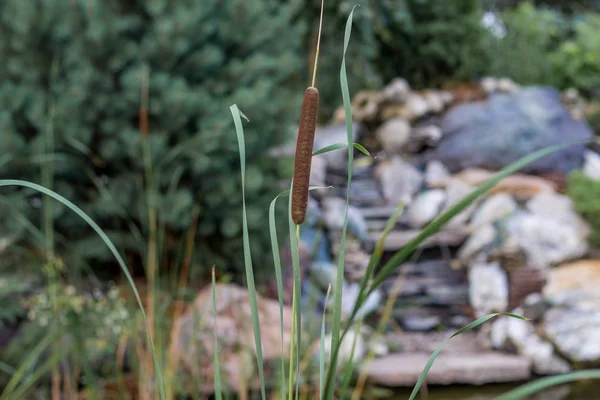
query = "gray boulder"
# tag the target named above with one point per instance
(506, 127)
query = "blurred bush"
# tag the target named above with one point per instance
(429, 42)
(585, 193)
(200, 57)
(577, 59)
(525, 52)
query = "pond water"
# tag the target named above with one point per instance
(589, 390)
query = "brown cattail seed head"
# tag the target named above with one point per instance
(304, 150)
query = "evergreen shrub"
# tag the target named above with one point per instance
(76, 69)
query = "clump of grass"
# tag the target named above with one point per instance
(371, 281)
(18, 386)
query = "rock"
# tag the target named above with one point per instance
(499, 333)
(418, 323)
(580, 279)
(558, 207)
(507, 127)
(318, 172)
(435, 101)
(403, 369)
(527, 343)
(365, 105)
(349, 297)
(518, 185)
(483, 237)
(422, 136)
(436, 175)
(347, 346)
(425, 207)
(333, 134)
(488, 288)
(591, 165)
(193, 337)
(489, 85)
(545, 361)
(355, 267)
(323, 274)
(416, 106)
(547, 241)
(506, 85)
(449, 236)
(575, 331)
(390, 111)
(399, 180)
(447, 97)
(396, 91)
(524, 281)
(534, 306)
(393, 135)
(334, 210)
(493, 208)
(456, 191)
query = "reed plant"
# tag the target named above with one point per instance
(158, 365)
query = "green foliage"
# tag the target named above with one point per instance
(585, 193)
(577, 60)
(524, 54)
(429, 41)
(200, 57)
(91, 326)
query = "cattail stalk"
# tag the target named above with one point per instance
(304, 149)
(305, 142)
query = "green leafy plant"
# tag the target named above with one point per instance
(584, 192)
(576, 62)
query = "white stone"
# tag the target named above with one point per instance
(507, 85)
(393, 135)
(591, 165)
(489, 84)
(425, 207)
(493, 208)
(399, 180)
(436, 174)
(396, 91)
(417, 106)
(575, 332)
(434, 101)
(488, 288)
(318, 172)
(346, 346)
(547, 241)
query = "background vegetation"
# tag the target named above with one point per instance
(73, 70)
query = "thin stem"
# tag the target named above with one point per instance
(318, 45)
(291, 370)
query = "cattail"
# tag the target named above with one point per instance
(304, 150)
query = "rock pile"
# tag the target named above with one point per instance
(508, 251)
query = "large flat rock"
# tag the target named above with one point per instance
(403, 369)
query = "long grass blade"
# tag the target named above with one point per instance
(26, 365)
(528, 389)
(294, 231)
(279, 274)
(279, 279)
(322, 348)
(114, 251)
(20, 391)
(337, 146)
(216, 366)
(239, 129)
(464, 329)
(337, 313)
